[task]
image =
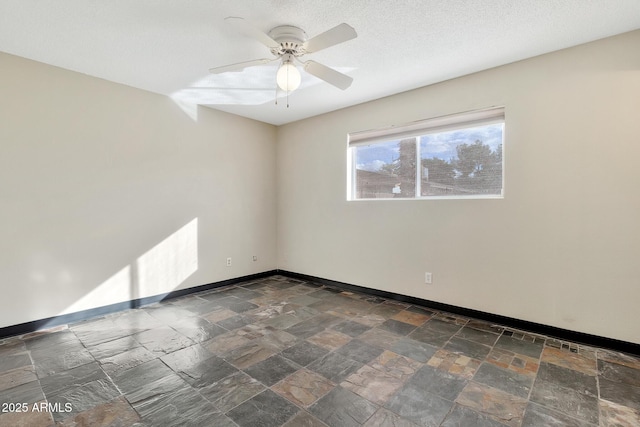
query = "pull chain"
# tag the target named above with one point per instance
(288, 87)
(287, 90)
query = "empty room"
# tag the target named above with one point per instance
(331, 214)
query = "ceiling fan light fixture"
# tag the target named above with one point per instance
(288, 77)
(288, 44)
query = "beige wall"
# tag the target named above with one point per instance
(111, 193)
(562, 248)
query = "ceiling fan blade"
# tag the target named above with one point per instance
(332, 37)
(240, 65)
(329, 75)
(249, 30)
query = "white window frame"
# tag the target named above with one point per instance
(417, 129)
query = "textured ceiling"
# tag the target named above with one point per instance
(167, 46)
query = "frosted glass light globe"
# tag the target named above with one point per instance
(288, 77)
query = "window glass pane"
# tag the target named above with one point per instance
(463, 162)
(386, 170)
(457, 155)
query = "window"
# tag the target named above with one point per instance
(452, 156)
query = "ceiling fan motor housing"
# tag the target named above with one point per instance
(291, 40)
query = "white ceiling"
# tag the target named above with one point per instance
(167, 46)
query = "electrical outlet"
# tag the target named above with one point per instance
(229, 262)
(255, 258)
(428, 278)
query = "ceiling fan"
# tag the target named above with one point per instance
(287, 44)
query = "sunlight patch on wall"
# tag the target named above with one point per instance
(164, 267)
(160, 270)
(115, 289)
(189, 108)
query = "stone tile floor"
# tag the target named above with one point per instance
(282, 352)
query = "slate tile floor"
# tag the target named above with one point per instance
(281, 352)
